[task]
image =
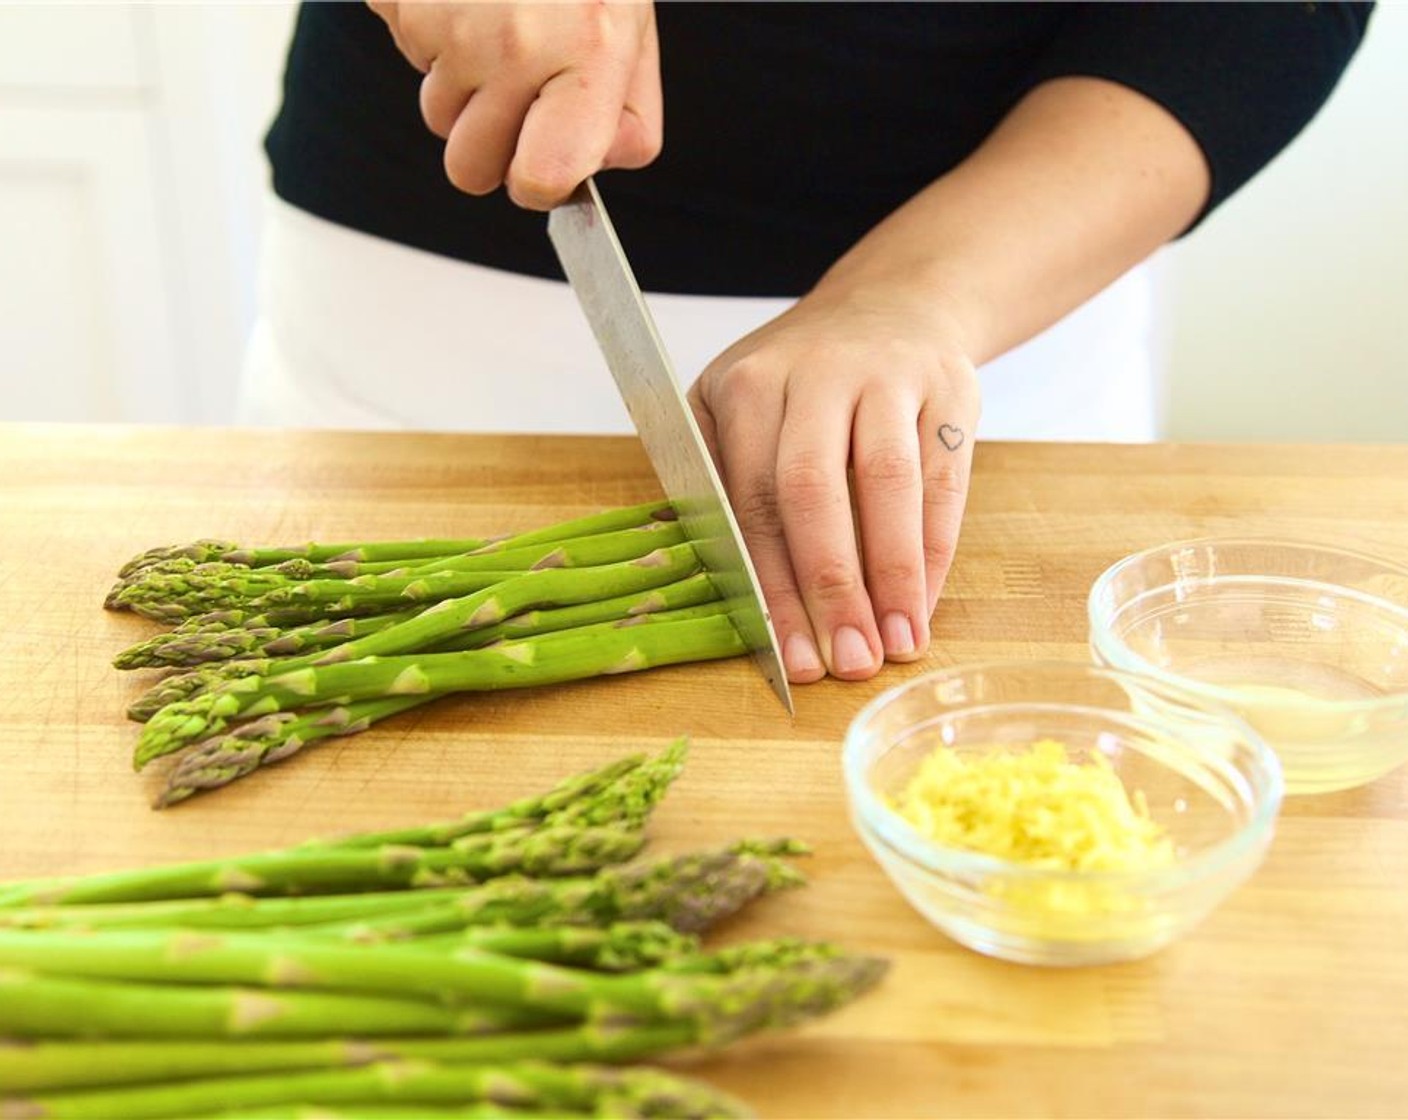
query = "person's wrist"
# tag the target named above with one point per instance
(930, 311)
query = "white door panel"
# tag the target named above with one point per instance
(87, 330)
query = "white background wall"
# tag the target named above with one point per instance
(1288, 309)
(131, 175)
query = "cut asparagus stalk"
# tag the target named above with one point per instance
(568, 655)
(695, 593)
(519, 592)
(575, 552)
(454, 618)
(692, 597)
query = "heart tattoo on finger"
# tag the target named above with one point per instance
(950, 437)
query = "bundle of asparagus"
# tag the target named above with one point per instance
(362, 976)
(279, 648)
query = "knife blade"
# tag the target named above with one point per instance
(601, 277)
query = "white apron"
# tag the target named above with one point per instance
(354, 331)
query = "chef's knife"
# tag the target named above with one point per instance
(600, 275)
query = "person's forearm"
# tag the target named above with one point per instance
(1083, 180)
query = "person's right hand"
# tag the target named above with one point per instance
(534, 97)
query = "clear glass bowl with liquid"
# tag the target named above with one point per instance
(1307, 643)
(1207, 780)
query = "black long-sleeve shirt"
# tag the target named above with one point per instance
(791, 129)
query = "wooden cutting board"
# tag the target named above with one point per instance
(1291, 1000)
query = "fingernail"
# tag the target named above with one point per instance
(800, 656)
(849, 650)
(897, 633)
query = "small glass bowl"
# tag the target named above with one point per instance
(1307, 643)
(1209, 781)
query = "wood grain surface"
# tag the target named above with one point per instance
(1291, 1000)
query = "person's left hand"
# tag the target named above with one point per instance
(874, 380)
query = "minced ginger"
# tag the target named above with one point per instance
(1037, 808)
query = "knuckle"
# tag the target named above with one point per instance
(511, 43)
(894, 569)
(745, 381)
(944, 480)
(889, 467)
(833, 580)
(939, 551)
(804, 484)
(757, 510)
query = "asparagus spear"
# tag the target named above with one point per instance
(379, 594)
(219, 551)
(575, 552)
(255, 638)
(619, 947)
(587, 651)
(626, 517)
(178, 578)
(231, 910)
(552, 851)
(223, 758)
(227, 552)
(546, 1088)
(382, 1110)
(575, 789)
(45, 1006)
(633, 581)
(689, 892)
(169, 597)
(72, 1064)
(720, 1006)
(172, 595)
(620, 792)
(695, 593)
(692, 597)
(37, 1005)
(192, 683)
(244, 748)
(68, 1064)
(508, 596)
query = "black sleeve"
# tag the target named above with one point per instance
(1243, 78)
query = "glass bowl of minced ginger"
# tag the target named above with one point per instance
(1059, 814)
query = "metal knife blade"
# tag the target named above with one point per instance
(601, 276)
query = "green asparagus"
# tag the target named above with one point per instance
(561, 850)
(34, 1004)
(720, 1006)
(588, 651)
(544, 1087)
